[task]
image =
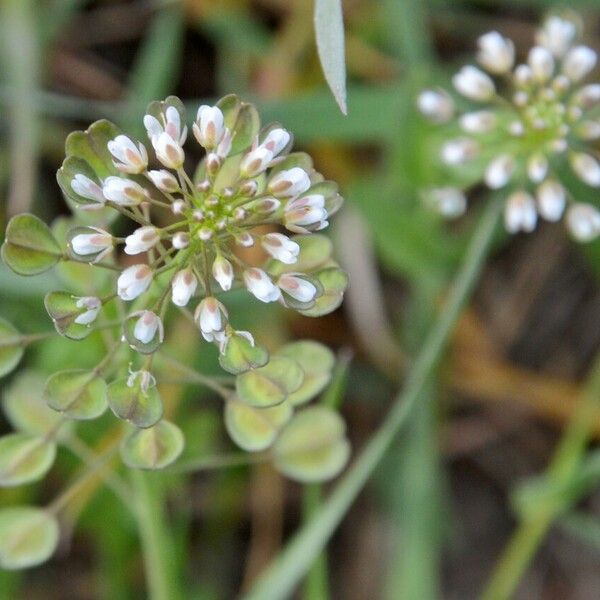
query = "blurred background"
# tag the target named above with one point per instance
(446, 500)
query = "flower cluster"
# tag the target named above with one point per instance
(531, 123)
(191, 231)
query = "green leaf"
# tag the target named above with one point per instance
(315, 251)
(28, 537)
(63, 310)
(141, 407)
(24, 458)
(329, 32)
(269, 385)
(11, 347)
(317, 362)
(25, 408)
(29, 247)
(255, 429)
(241, 355)
(153, 448)
(313, 446)
(77, 393)
(334, 282)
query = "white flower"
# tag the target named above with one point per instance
(587, 168)
(147, 380)
(256, 161)
(496, 53)
(141, 240)
(557, 35)
(86, 187)
(436, 105)
(100, 242)
(541, 62)
(183, 286)
(480, 121)
(209, 127)
(123, 192)
(289, 183)
(280, 247)
(551, 198)
(244, 239)
(259, 284)
(211, 317)
(587, 96)
(223, 272)
(128, 157)
(578, 62)
(537, 167)
(277, 139)
(499, 171)
(168, 151)
(305, 214)
(181, 240)
(448, 201)
(296, 286)
(224, 146)
(474, 84)
(583, 221)
(134, 281)
(224, 341)
(520, 213)
(92, 306)
(164, 181)
(459, 151)
(172, 126)
(147, 326)
(523, 75)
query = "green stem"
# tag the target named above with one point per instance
(282, 576)
(523, 544)
(157, 547)
(316, 586)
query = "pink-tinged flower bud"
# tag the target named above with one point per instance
(168, 151)
(280, 247)
(86, 187)
(496, 53)
(172, 126)
(147, 326)
(244, 239)
(306, 214)
(551, 199)
(578, 62)
(583, 221)
(520, 213)
(223, 272)
(99, 242)
(459, 151)
(480, 121)
(123, 192)
(436, 105)
(213, 163)
(474, 84)
(557, 34)
(178, 207)
(164, 181)
(209, 127)
(289, 183)
(255, 162)
(134, 281)
(224, 146)
(259, 284)
(249, 188)
(296, 286)
(141, 240)
(183, 286)
(276, 140)
(211, 317)
(127, 157)
(541, 63)
(92, 307)
(181, 240)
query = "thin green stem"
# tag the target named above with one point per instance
(530, 533)
(316, 586)
(210, 463)
(283, 575)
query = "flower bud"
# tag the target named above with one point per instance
(280, 247)
(259, 284)
(181, 240)
(588, 130)
(541, 62)
(134, 281)
(248, 188)
(183, 286)
(141, 240)
(551, 198)
(277, 139)
(520, 213)
(223, 272)
(244, 239)
(213, 163)
(127, 157)
(307, 213)
(211, 317)
(255, 162)
(168, 151)
(123, 192)
(459, 151)
(537, 167)
(172, 126)
(88, 188)
(496, 53)
(99, 243)
(586, 167)
(481, 121)
(523, 75)
(436, 105)
(164, 181)
(499, 171)
(289, 183)
(583, 221)
(473, 83)
(209, 126)
(578, 62)
(147, 326)
(450, 202)
(178, 207)
(587, 96)
(296, 286)
(92, 306)
(557, 35)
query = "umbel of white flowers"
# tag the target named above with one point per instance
(244, 181)
(523, 132)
